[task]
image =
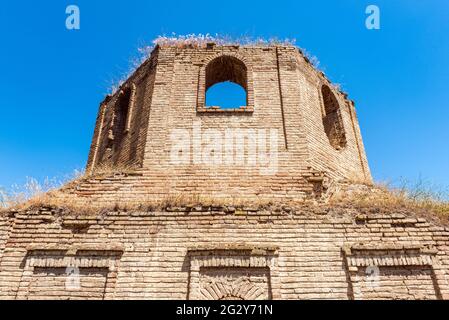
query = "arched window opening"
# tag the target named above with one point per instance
(121, 113)
(226, 83)
(227, 95)
(332, 121)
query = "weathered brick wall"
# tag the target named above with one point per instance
(177, 95)
(308, 253)
(351, 161)
(284, 94)
(311, 252)
(6, 222)
(124, 149)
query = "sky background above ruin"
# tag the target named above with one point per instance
(53, 79)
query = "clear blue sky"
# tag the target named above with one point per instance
(52, 79)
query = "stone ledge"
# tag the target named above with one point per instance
(54, 249)
(215, 109)
(230, 249)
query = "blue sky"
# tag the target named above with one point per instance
(53, 79)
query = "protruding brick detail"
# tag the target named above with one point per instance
(242, 274)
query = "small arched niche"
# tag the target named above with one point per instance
(121, 112)
(121, 116)
(332, 120)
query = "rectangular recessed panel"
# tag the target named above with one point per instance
(62, 284)
(406, 283)
(235, 283)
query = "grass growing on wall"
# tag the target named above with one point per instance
(17, 195)
(420, 197)
(201, 41)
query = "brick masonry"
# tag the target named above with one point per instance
(309, 253)
(316, 144)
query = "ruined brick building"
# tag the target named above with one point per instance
(296, 139)
(314, 127)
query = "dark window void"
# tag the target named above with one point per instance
(121, 112)
(332, 121)
(226, 83)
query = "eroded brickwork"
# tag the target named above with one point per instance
(309, 253)
(285, 94)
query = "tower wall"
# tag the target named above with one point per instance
(171, 131)
(124, 148)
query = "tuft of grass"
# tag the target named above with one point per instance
(312, 59)
(201, 40)
(17, 195)
(418, 196)
(69, 202)
(194, 41)
(3, 198)
(54, 192)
